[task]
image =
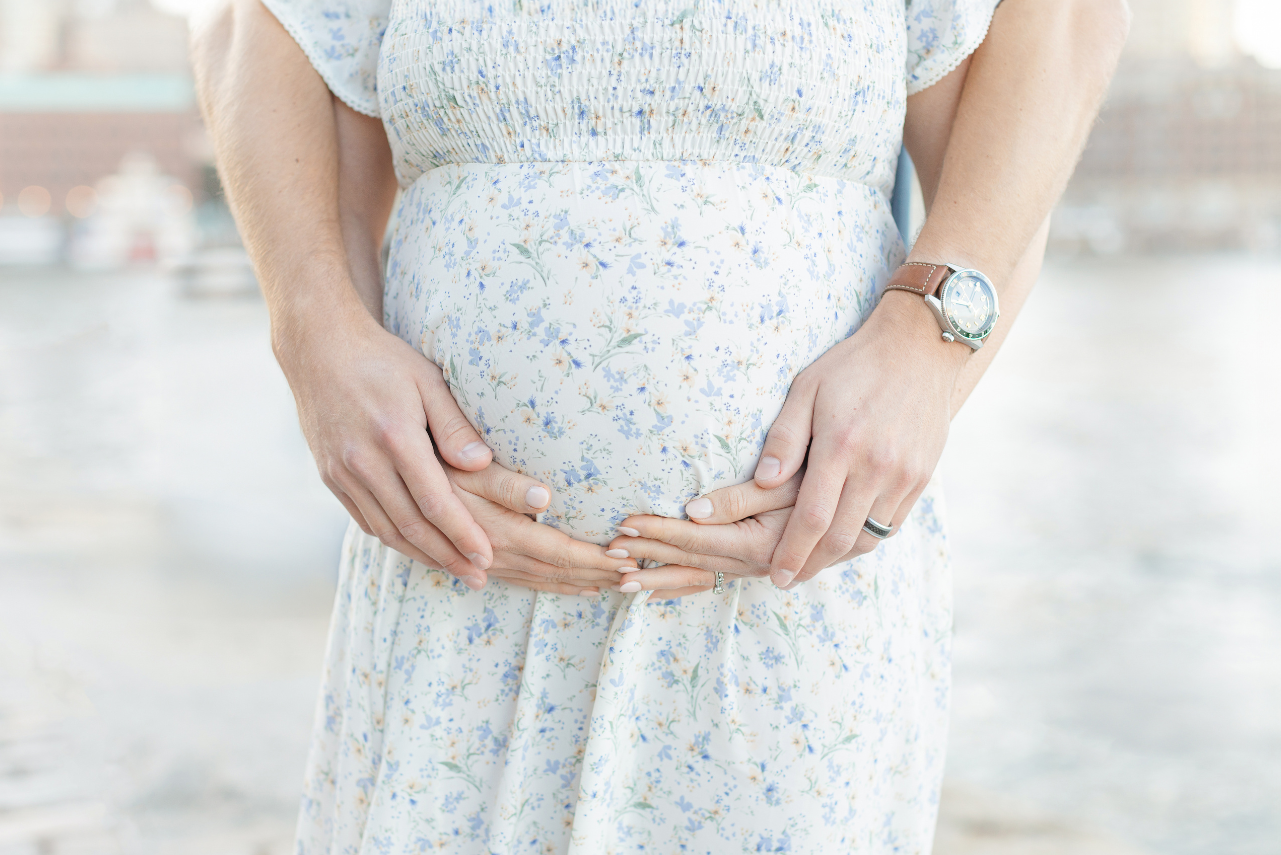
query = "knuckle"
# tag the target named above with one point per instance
(840, 543)
(846, 440)
(815, 517)
(508, 492)
(355, 459)
(389, 536)
(432, 505)
(452, 427)
(390, 435)
(734, 504)
(882, 461)
(786, 434)
(863, 545)
(414, 531)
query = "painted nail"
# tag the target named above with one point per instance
(473, 583)
(478, 560)
(617, 553)
(768, 468)
(537, 497)
(588, 593)
(630, 532)
(473, 450)
(629, 587)
(782, 578)
(699, 509)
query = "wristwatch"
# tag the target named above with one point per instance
(963, 300)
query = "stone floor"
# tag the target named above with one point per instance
(167, 557)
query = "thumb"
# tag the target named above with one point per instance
(455, 439)
(789, 437)
(731, 504)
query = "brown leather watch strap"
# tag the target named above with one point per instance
(919, 277)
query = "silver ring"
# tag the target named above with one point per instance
(877, 530)
(720, 583)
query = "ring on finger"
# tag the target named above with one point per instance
(720, 583)
(880, 531)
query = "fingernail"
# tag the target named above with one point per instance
(781, 578)
(617, 553)
(588, 593)
(630, 532)
(537, 497)
(768, 468)
(473, 450)
(479, 560)
(629, 587)
(700, 509)
(472, 582)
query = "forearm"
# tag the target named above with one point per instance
(1032, 91)
(277, 153)
(995, 146)
(366, 191)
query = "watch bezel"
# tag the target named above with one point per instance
(951, 322)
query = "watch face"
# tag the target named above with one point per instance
(969, 300)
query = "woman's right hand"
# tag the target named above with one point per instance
(365, 402)
(531, 554)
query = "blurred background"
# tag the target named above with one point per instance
(167, 553)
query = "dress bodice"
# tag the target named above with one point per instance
(815, 86)
(811, 85)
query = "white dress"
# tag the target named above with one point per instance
(625, 227)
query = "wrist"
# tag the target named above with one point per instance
(908, 319)
(326, 309)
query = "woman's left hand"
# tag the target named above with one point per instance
(873, 414)
(736, 532)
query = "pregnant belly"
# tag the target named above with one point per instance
(627, 332)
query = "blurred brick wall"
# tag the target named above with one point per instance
(59, 151)
(1183, 157)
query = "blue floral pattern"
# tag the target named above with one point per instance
(624, 229)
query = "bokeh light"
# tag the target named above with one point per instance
(181, 198)
(1256, 26)
(34, 201)
(81, 201)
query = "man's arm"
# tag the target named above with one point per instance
(365, 398)
(1030, 97)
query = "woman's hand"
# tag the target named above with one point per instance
(530, 554)
(872, 414)
(736, 532)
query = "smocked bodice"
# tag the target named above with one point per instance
(816, 87)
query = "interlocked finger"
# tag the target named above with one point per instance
(678, 593)
(644, 549)
(538, 583)
(669, 577)
(533, 568)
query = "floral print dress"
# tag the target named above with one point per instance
(625, 227)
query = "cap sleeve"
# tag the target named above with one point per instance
(342, 39)
(940, 34)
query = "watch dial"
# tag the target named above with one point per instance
(970, 303)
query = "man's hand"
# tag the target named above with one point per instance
(365, 401)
